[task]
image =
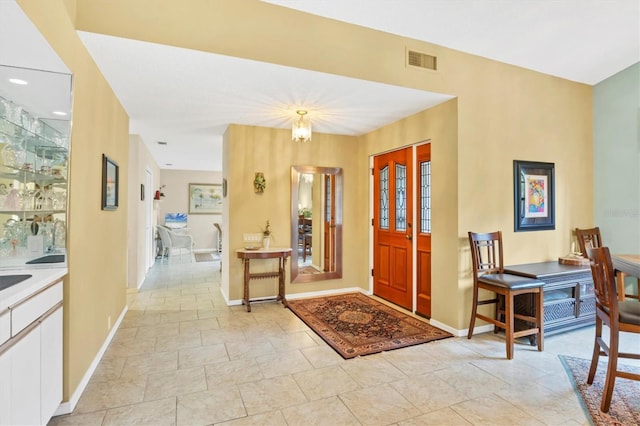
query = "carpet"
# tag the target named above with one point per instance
(354, 324)
(309, 270)
(205, 257)
(625, 404)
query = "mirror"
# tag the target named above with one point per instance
(316, 223)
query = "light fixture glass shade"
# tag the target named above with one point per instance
(301, 129)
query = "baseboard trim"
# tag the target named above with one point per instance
(67, 407)
(461, 333)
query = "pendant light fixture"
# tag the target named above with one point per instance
(301, 129)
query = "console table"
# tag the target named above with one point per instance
(264, 253)
(569, 300)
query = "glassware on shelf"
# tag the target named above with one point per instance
(59, 166)
(46, 200)
(27, 199)
(59, 235)
(9, 155)
(59, 200)
(12, 201)
(13, 153)
(33, 188)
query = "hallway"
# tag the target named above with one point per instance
(183, 357)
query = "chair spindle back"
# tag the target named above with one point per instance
(604, 282)
(588, 238)
(486, 252)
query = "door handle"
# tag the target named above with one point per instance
(409, 237)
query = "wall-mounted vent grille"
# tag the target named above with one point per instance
(421, 60)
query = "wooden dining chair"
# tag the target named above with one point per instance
(617, 316)
(304, 236)
(488, 274)
(591, 238)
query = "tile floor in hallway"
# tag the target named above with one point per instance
(183, 357)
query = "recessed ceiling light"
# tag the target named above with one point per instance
(162, 143)
(18, 81)
(59, 113)
(168, 164)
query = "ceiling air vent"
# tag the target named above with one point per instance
(421, 60)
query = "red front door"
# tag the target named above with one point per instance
(392, 227)
(423, 228)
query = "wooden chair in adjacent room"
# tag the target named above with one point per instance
(591, 238)
(617, 316)
(304, 236)
(488, 274)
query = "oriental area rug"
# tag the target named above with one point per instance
(354, 324)
(625, 404)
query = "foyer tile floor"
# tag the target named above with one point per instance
(183, 357)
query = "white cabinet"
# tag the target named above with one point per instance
(31, 360)
(28, 311)
(5, 388)
(50, 365)
(5, 326)
(25, 380)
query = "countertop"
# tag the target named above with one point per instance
(41, 277)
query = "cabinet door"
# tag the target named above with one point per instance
(5, 388)
(51, 365)
(25, 379)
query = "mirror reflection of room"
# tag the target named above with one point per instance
(305, 224)
(316, 223)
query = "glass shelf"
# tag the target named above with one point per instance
(30, 212)
(48, 138)
(34, 160)
(7, 172)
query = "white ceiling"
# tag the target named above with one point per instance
(580, 40)
(188, 98)
(23, 53)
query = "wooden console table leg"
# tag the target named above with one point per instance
(245, 300)
(281, 280)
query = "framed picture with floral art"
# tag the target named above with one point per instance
(533, 196)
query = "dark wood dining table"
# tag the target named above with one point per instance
(625, 264)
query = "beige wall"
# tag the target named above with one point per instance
(272, 152)
(176, 200)
(94, 290)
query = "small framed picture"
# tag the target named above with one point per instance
(109, 183)
(533, 196)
